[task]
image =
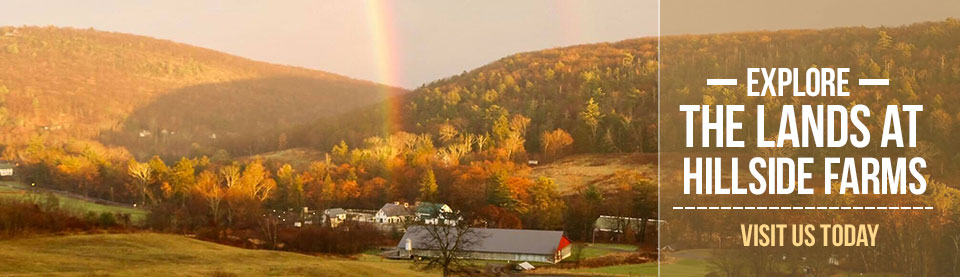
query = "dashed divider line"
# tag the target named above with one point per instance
(802, 208)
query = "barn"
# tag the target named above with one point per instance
(495, 244)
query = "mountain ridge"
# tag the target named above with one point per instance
(68, 83)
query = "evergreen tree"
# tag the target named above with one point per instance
(428, 187)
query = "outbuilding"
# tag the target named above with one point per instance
(6, 169)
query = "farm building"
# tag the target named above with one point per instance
(433, 213)
(493, 244)
(6, 169)
(614, 228)
(397, 213)
(334, 216)
(393, 213)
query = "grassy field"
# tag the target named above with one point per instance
(593, 250)
(150, 254)
(15, 190)
(684, 263)
(685, 267)
(574, 171)
(299, 158)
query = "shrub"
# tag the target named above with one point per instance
(18, 217)
(348, 238)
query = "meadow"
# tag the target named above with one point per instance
(17, 191)
(152, 254)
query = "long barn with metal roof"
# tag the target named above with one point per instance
(494, 244)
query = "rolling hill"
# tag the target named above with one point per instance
(605, 94)
(616, 82)
(158, 97)
(150, 254)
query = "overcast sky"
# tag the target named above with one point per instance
(414, 42)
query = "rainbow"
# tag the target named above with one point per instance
(386, 55)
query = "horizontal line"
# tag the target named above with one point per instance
(721, 82)
(801, 208)
(874, 82)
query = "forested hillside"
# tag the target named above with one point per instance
(155, 96)
(602, 95)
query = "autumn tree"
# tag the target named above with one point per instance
(546, 207)
(183, 178)
(229, 175)
(555, 142)
(428, 187)
(289, 187)
(212, 193)
(141, 173)
(255, 182)
(591, 116)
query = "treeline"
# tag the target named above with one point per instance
(485, 176)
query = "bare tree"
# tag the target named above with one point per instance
(956, 257)
(141, 172)
(269, 226)
(443, 246)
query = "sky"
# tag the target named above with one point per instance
(400, 43)
(412, 42)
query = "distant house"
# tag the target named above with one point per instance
(614, 227)
(494, 244)
(334, 217)
(433, 213)
(6, 169)
(393, 213)
(359, 215)
(298, 218)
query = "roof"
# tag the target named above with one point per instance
(429, 208)
(540, 242)
(606, 222)
(526, 266)
(334, 211)
(393, 209)
(6, 165)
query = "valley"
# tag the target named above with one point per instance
(327, 169)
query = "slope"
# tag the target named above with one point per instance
(65, 83)
(150, 254)
(603, 94)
